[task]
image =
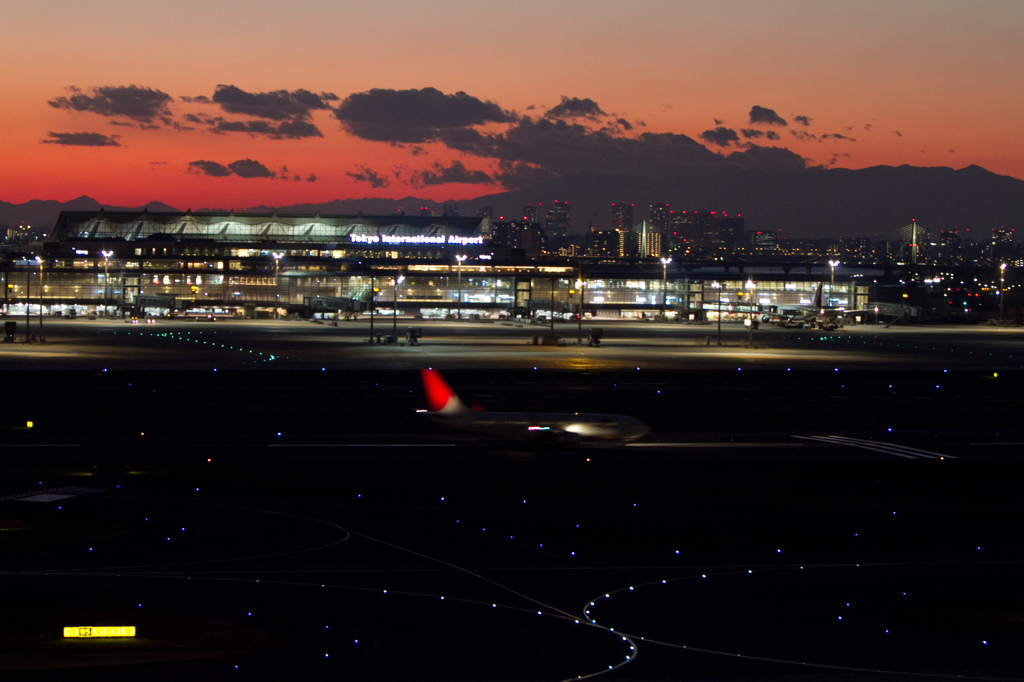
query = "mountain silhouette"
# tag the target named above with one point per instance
(811, 203)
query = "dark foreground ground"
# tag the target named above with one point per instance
(815, 507)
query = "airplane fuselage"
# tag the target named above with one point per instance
(547, 426)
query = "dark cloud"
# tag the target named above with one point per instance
(751, 133)
(414, 116)
(575, 108)
(129, 101)
(897, 133)
(278, 114)
(626, 125)
(82, 139)
(867, 127)
(521, 174)
(804, 136)
(374, 178)
(278, 105)
(837, 136)
(311, 177)
(198, 99)
(776, 159)
(251, 127)
(247, 168)
(285, 129)
(772, 135)
(243, 168)
(804, 120)
(211, 168)
(533, 150)
(760, 114)
(298, 129)
(720, 136)
(834, 161)
(440, 174)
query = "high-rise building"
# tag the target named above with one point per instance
(730, 233)
(606, 243)
(528, 238)
(622, 216)
(556, 220)
(660, 215)
(764, 240)
(530, 213)
(1002, 243)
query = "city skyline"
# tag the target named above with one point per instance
(200, 105)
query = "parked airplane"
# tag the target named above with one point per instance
(796, 315)
(447, 409)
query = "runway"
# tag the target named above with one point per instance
(816, 511)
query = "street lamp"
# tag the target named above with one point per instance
(106, 279)
(717, 286)
(394, 317)
(750, 305)
(277, 276)
(579, 313)
(832, 282)
(664, 283)
(373, 297)
(40, 261)
(28, 300)
(458, 260)
(1002, 281)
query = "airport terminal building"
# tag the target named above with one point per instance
(270, 265)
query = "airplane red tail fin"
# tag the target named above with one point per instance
(440, 396)
(817, 296)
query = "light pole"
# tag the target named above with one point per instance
(1002, 281)
(394, 317)
(41, 290)
(832, 282)
(277, 278)
(664, 283)
(28, 300)
(750, 304)
(373, 296)
(579, 313)
(718, 294)
(458, 261)
(106, 279)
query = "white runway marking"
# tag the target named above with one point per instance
(362, 445)
(887, 448)
(712, 444)
(53, 494)
(40, 445)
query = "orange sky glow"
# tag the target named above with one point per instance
(850, 85)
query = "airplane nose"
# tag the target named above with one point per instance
(639, 430)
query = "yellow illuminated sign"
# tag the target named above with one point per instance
(100, 631)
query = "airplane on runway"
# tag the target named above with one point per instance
(570, 428)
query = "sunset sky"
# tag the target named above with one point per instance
(238, 103)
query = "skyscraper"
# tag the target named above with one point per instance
(556, 220)
(622, 216)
